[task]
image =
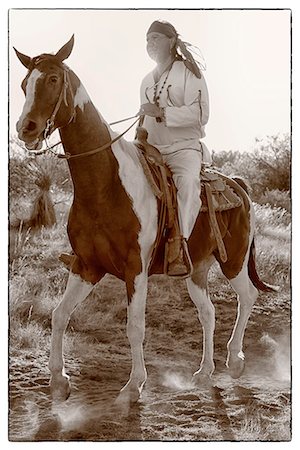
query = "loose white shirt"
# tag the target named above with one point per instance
(186, 102)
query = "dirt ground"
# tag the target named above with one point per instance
(255, 407)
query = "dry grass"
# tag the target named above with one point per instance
(29, 336)
(37, 281)
(96, 336)
(257, 425)
(273, 243)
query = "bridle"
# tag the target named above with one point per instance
(66, 85)
(62, 98)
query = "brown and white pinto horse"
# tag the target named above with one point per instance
(113, 222)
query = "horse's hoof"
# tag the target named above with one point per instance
(60, 388)
(125, 401)
(129, 396)
(202, 378)
(130, 393)
(236, 367)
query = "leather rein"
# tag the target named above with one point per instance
(68, 155)
(50, 124)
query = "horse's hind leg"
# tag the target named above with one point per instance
(197, 287)
(77, 290)
(247, 295)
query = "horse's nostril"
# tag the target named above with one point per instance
(31, 126)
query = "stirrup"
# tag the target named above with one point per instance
(182, 266)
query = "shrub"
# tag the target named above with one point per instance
(267, 169)
(276, 198)
(32, 183)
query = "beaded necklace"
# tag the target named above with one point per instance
(156, 96)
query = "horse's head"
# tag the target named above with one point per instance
(49, 100)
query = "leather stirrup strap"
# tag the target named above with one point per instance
(214, 224)
(166, 187)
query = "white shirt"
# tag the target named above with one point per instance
(186, 103)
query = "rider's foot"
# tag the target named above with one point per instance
(181, 267)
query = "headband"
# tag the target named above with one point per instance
(163, 27)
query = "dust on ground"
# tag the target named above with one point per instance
(171, 408)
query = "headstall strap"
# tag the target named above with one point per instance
(62, 97)
(66, 84)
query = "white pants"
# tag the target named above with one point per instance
(185, 166)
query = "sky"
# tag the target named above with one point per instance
(247, 53)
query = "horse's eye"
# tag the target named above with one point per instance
(53, 79)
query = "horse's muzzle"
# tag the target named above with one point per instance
(28, 133)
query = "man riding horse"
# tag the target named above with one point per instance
(174, 111)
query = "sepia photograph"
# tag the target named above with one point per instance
(149, 197)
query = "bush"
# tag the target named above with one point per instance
(276, 198)
(273, 159)
(28, 174)
(267, 169)
(32, 183)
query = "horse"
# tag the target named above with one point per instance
(112, 223)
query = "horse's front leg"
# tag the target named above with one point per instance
(137, 295)
(77, 290)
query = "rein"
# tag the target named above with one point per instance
(50, 123)
(98, 149)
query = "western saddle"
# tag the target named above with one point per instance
(216, 195)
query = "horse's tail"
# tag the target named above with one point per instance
(253, 275)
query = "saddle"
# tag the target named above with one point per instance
(216, 195)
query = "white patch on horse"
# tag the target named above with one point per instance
(30, 95)
(137, 187)
(206, 314)
(81, 97)
(136, 332)
(76, 291)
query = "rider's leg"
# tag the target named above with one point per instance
(185, 166)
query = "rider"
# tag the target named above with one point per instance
(174, 110)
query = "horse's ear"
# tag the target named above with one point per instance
(25, 60)
(66, 50)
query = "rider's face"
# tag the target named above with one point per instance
(158, 46)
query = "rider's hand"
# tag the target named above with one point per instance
(150, 109)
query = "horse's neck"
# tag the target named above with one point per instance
(85, 132)
(92, 175)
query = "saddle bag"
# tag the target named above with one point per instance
(223, 196)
